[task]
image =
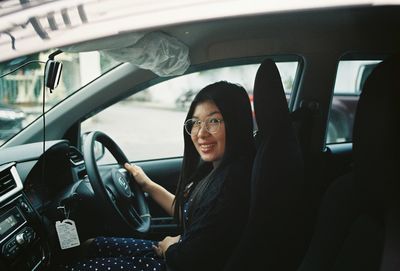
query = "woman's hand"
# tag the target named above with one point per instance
(164, 245)
(139, 175)
(158, 193)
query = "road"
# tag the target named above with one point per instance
(143, 132)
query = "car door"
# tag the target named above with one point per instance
(166, 173)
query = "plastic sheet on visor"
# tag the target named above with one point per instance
(156, 51)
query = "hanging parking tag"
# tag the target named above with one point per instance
(67, 234)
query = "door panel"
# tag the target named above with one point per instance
(340, 159)
(165, 172)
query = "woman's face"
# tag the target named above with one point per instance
(209, 145)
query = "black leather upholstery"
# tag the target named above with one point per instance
(274, 235)
(270, 106)
(358, 226)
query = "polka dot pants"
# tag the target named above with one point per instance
(114, 253)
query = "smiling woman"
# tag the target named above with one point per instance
(211, 191)
(207, 132)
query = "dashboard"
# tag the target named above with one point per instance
(34, 183)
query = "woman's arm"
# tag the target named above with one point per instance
(162, 196)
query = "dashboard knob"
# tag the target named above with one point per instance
(20, 238)
(25, 206)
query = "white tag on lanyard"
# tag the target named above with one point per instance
(67, 234)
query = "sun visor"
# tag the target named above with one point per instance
(156, 51)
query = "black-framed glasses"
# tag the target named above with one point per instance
(192, 126)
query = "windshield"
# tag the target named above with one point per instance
(21, 92)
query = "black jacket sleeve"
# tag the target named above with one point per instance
(210, 240)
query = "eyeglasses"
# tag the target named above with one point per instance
(192, 126)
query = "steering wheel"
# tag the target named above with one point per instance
(116, 189)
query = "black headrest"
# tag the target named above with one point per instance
(270, 105)
(376, 130)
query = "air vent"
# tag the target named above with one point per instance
(75, 156)
(7, 182)
(10, 182)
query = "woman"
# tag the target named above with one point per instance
(212, 197)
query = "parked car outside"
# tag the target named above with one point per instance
(11, 120)
(350, 80)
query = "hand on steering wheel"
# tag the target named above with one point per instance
(116, 191)
(139, 175)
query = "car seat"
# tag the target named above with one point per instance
(359, 225)
(274, 235)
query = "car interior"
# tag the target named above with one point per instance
(324, 181)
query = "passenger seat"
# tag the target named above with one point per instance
(274, 237)
(359, 220)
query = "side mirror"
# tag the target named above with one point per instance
(99, 150)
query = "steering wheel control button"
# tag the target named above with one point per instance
(121, 183)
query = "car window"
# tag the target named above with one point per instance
(350, 78)
(149, 124)
(21, 92)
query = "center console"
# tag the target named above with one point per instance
(21, 244)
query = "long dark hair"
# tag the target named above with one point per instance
(233, 102)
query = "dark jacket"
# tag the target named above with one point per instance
(216, 227)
